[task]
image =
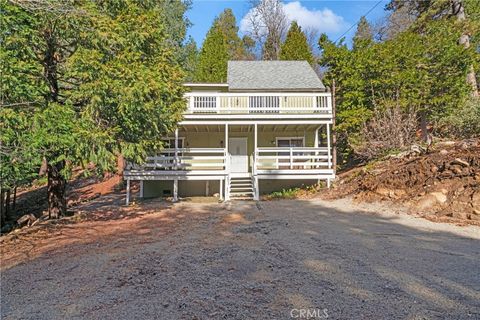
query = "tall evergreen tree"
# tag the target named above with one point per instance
(423, 72)
(296, 45)
(269, 49)
(431, 11)
(190, 59)
(249, 45)
(212, 62)
(364, 33)
(227, 24)
(92, 80)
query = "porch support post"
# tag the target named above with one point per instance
(316, 146)
(256, 138)
(207, 188)
(226, 137)
(328, 147)
(329, 154)
(227, 165)
(127, 198)
(254, 168)
(141, 189)
(175, 182)
(220, 192)
(176, 149)
(175, 190)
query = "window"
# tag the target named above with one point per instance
(290, 142)
(287, 143)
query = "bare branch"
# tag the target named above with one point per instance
(268, 21)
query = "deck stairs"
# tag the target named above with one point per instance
(241, 188)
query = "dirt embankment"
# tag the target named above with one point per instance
(444, 182)
(31, 203)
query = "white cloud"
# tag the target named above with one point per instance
(324, 20)
(321, 20)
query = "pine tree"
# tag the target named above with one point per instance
(296, 45)
(364, 34)
(269, 50)
(227, 24)
(88, 81)
(249, 45)
(190, 59)
(212, 62)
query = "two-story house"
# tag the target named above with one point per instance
(267, 128)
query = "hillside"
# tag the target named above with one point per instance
(443, 183)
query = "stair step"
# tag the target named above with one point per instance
(240, 184)
(240, 193)
(249, 189)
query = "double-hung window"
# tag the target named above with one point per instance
(289, 143)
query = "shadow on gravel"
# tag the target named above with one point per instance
(375, 258)
(243, 261)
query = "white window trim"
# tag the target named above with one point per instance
(289, 138)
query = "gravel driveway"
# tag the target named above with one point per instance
(272, 260)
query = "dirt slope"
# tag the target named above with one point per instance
(444, 182)
(32, 201)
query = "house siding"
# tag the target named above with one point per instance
(156, 188)
(214, 140)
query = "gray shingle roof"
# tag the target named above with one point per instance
(272, 75)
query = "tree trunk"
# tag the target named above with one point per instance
(2, 211)
(458, 10)
(424, 128)
(7, 205)
(121, 163)
(57, 204)
(14, 204)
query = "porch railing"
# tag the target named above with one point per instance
(285, 159)
(186, 159)
(262, 103)
(292, 158)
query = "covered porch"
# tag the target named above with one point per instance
(216, 153)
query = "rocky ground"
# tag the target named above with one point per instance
(443, 183)
(240, 261)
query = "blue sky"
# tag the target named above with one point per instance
(331, 17)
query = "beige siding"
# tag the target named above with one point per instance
(297, 103)
(153, 189)
(265, 139)
(216, 140)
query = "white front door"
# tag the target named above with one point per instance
(238, 155)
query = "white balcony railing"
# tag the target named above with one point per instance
(259, 103)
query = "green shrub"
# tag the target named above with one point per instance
(464, 122)
(284, 194)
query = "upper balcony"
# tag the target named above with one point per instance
(259, 103)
